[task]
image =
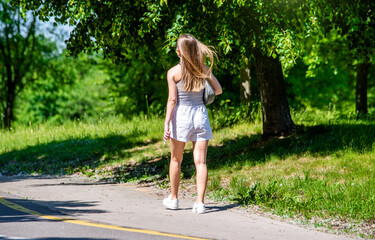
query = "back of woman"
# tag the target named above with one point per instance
(187, 118)
(188, 98)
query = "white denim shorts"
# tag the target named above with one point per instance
(190, 123)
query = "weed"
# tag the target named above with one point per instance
(214, 183)
(163, 184)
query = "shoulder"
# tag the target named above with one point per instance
(175, 73)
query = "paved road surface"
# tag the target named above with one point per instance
(16, 224)
(134, 207)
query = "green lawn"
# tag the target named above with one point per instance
(321, 174)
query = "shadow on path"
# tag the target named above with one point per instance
(53, 238)
(56, 208)
(212, 209)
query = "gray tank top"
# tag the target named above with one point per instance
(188, 98)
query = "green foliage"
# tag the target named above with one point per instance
(329, 87)
(70, 89)
(238, 25)
(340, 34)
(24, 56)
(226, 114)
(328, 36)
(139, 86)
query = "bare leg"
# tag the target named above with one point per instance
(200, 153)
(177, 151)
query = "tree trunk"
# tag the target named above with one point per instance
(275, 108)
(245, 88)
(8, 113)
(245, 85)
(361, 89)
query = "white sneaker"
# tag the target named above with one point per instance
(169, 203)
(199, 208)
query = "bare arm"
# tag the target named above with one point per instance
(215, 84)
(171, 104)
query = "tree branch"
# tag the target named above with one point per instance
(30, 56)
(8, 64)
(31, 32)
(16, 39)
(2, 47)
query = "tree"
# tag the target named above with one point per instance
(70, 89)
(134, 86)
(345, 27)
(22, 57)
(243, 29)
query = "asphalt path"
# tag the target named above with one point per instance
(101, 210)
(15, 224)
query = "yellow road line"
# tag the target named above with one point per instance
(91, 224)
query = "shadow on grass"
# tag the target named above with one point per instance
(250, 150)
(71, 155)
(320, 140)
(143, 172)
(81, 154)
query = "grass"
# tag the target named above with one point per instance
(322, 174)
(77, 146)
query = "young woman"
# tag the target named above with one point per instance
(186, 118)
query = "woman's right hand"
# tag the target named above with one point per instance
(167, 133)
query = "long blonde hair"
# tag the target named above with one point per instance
(193, 54)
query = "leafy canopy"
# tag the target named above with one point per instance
(120, 27)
